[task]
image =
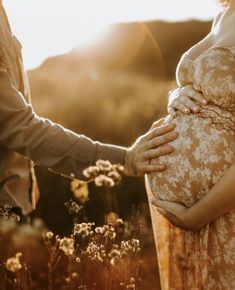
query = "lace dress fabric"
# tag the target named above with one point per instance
(205, 149)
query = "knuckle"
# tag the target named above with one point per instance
(146, 155)
(184, 98)
(167, 137)
(181, 107)
(151, 143)
(156, 141)
(176, 104)
(156, 123)
(166, 149)
(160, 151)
(190, 104)
(172, 135)
(143, 138)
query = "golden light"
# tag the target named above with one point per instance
(56, 26)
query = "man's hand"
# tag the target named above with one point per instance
(185, 100)
(176, 213)
(149, 146)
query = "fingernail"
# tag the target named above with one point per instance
(175, 135)
(162, 167)
(196, 109)
(186, 111)
(171, 149)
(172, 126)
(205, 102)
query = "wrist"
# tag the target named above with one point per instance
(193, 220)
(128, 162)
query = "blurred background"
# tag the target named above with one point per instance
(104, 69)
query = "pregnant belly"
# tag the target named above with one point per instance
(203, 152)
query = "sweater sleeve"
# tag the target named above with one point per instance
(47, 143)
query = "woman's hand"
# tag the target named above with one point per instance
(220, 200)
(177, 214)
(185, 100)
(149, 146)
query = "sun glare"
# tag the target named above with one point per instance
(61, 25)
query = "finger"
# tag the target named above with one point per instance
(149, 168)
(155, 153)
(198, 97)
(159, 131)
(161, 151)
(171, 110)
(190, 104)
(165, 205)
(157, 123)
(180, 107)
(161, 140)
(171, 218)
(171, 207)
(157, 202)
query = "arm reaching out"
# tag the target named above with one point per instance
(219, 201)
(64, 151)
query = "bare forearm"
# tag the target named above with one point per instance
(219, 201)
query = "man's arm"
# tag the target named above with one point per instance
(219, 201)
(65, 152)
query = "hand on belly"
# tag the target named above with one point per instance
(202, 154)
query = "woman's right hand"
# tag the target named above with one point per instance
(185, 100)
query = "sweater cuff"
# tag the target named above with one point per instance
(114, 154)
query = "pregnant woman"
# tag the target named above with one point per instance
(205, 152)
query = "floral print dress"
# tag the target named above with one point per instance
(205, 149)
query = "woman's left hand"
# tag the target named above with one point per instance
(186, 100)
(175, 213)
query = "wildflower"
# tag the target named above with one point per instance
(104, 165)
(74, 275)
(72, 175)
(96, 252)
(104, 173)
(49, 235)
(7, 214)
(67, 246)
(80, 190)
(107, 231)
(119, 222)
(84, 229)
(111, 218)
(115, 175)
(130, 246)
(115, 255)
(91, 172)
(99, 230)
(73, 207)
(135, 245)
(103, 180)
(13, 264)
(82, 194)
(132, 284)
(82, 287)
(118, 167)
